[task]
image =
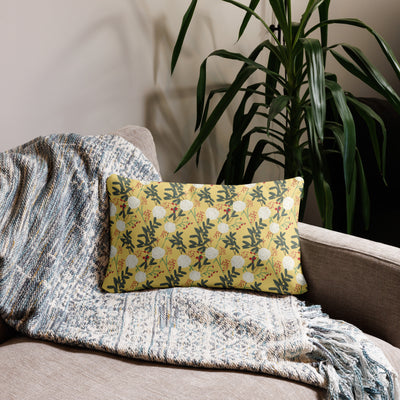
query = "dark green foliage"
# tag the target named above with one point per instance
(227, 194)
(121, 188)
(148, 235)
(297, 110)
(119, 283)
(200, 239)
(126, 241)
(152, 193)
(230, 242)
(204, 194)
(256, 286)
(254, 236)
(258, 195)
(278, 191)
(227, 279)
(177, 241)
(282, 283)
(280, 242)
(174, 279)
(175, 192)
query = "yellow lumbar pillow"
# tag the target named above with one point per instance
(217, 236)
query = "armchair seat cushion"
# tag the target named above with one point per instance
(32, 369)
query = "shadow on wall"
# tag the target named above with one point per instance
(164, 113)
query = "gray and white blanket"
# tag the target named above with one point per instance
(54, 248)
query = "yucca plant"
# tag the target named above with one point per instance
(293, 99)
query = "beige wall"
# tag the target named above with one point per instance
(91, 66)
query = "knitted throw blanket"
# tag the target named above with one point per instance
(54, 248)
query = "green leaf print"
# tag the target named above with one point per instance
(254, 236)
(148, 235)
(177, 241)
(278, 192)
(175, 192)
(257, 195)
(227, 279)
(121, 188)
(202, 283)
(280, 242)
(119, 283)
(227, 194)
(204, 195)
(151, 192)
(282, 283)
(230, 242)
(201, 237)
(256, 286)
(126, 241)
(174, 279)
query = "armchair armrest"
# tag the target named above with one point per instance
(353, 279)
(142, 139)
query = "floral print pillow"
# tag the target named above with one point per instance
(216, 236)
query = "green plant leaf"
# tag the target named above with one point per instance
(312, 5)
(387, 51)
(254, 14)
(349, 149)
(373, 74)
(216, 114)
(323, 11)
(322, 189)
(316, 81)
(253, 4)
(277, 105)
(371, 119)
(182, 33)
(273, 65)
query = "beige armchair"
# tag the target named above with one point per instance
(353, 279)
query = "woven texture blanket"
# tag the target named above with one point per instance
(54, 249)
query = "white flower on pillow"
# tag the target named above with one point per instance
(212, 213)
(250, 185)
(223, 228)
(237, 261)
(198, 185)
(157, 253)
(264, 212)
(184, 261)
(159, 212)
(238, 206)
(211, 253)
(274, 227)
(248, 277)
(113, 251)
(133, 202)
(120, 225)
(140, 276)
(186, 205)
(264, 254)
(287, 203)
(113, 210)
(300, 279)
(195, 275)
(288, 263)
(131, 261)
(170, 227)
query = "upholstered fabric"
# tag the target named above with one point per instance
(35, 370)
(142, 139)
(353, 279)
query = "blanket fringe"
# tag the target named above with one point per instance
(354, 368)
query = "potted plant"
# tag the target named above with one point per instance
(307, 115)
